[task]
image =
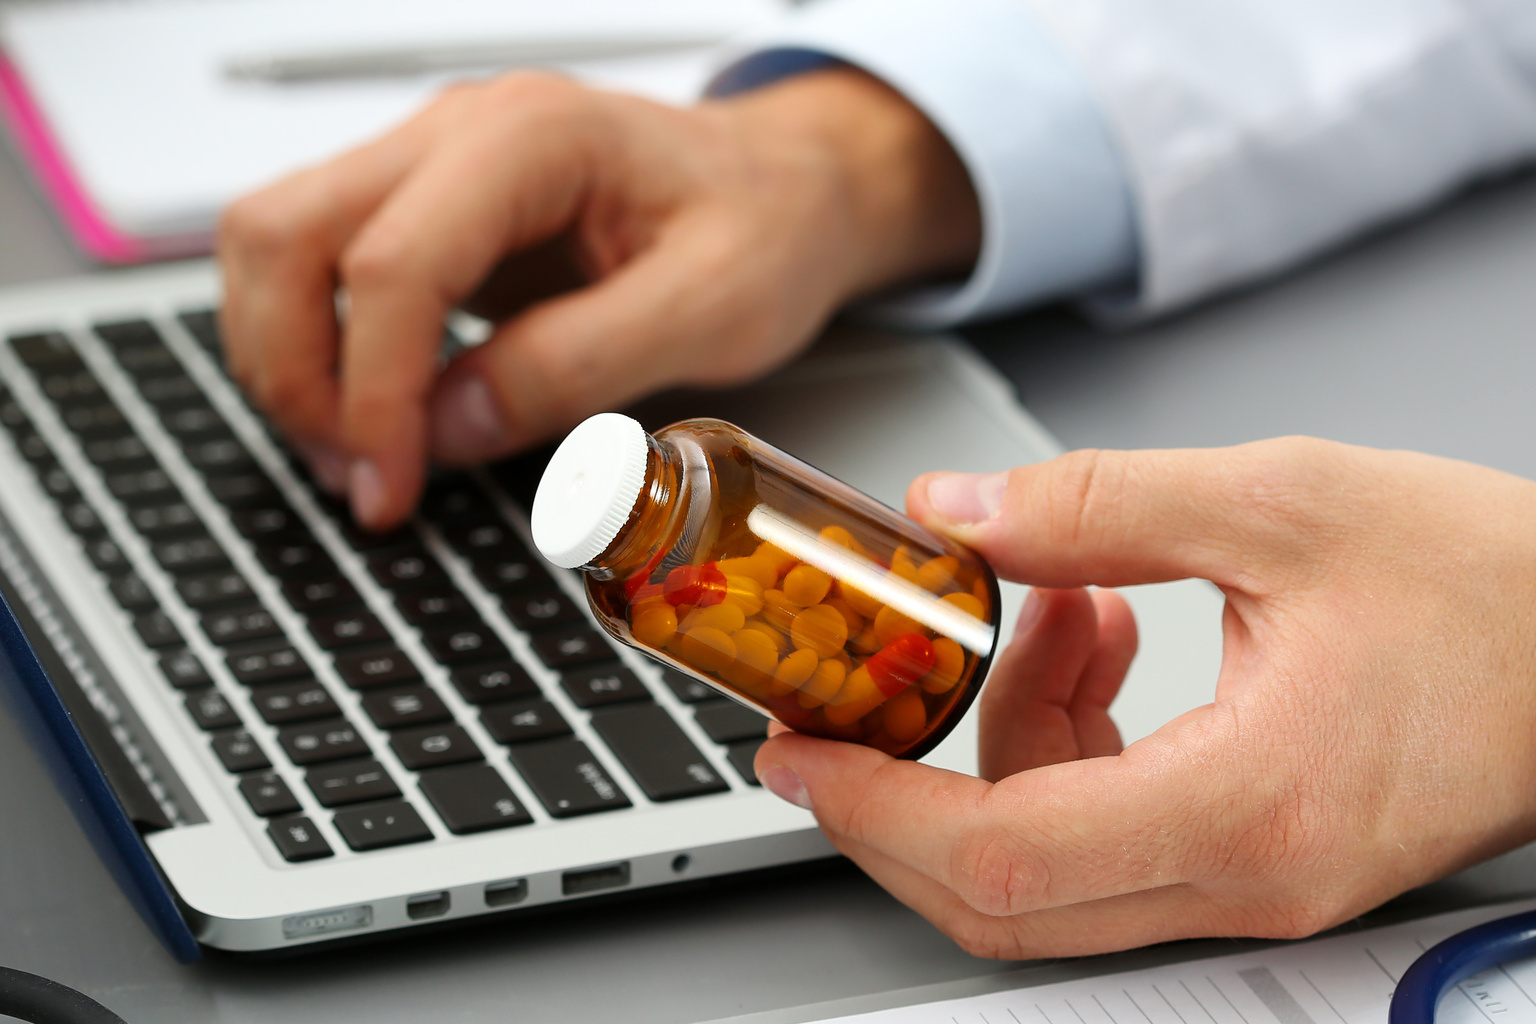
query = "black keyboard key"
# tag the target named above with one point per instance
(348, 629)
(320, 592)
(523, 722)
(567, 779)
(456, 501)
(686, 688)
(33, 447)
(220, 456)
(49, 348)
(98, 419)
(573, 645)
(472, 798)
(509, 571)
(364, 669)
(314, 742)
(409, 568)
(367, 541)
(296, 559)
(268, 665)
(657, 753)
(211, 710)
(265, 522)
(189, 423)
(82, 519)
(105, 555)
(297, 839)
(12, 416)
(184, 671)
(268, 795)
(121, 334)
(203, 325)
(56, 482)
(407, 706)
(380, 825)
(71, 385)
(148, 360)
(213, 589)
(725, 721)
(130, 591)
(171, 390)
(464, 643)
(493, 536)
(350, 782)
(533, 612)
(119, 454)
(600, 685)
(242, 490)
(428, 607)
(193, 554)
(240, 626)
(742, 754)
(158, 522)
(157, 630)
(492, 682)
(433, 745)
(239, 752)
(285, 703)
(143, 487)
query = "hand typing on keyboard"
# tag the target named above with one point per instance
(638, 246)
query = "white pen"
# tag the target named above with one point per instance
(392, 62)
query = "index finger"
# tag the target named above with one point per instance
(1049, 837)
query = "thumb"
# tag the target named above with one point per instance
(1112, 518)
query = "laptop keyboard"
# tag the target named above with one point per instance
(428, 679)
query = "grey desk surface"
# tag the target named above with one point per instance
(1423, 337)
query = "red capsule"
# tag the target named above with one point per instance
(900, 663)
(701, 585)
(640, 579)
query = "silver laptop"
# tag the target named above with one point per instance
(283, 731)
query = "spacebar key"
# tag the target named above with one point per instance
(657, 752)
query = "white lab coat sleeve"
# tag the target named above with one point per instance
(1248, 134)
(1056, 211)
(1257, 132)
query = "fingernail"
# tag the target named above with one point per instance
(466, 420)
(1030, 613)
(330, 468)
(967, 497)
(786, 785)
(367, 492)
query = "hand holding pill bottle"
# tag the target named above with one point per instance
(771, 581)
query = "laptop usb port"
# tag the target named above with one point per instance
(428, 904)
(504, 894)
(609, 876)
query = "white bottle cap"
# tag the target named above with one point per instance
(589, 489)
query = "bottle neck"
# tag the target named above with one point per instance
(656, 523)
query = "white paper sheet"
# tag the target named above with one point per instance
(1342, 979)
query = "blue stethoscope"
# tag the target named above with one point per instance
(1449, 963)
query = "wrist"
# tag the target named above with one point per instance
(901, 206)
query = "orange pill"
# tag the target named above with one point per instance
(779, 610)
(654, 625)
(858, 697)
(854, 620)
(820, 628)
(793, 672)
(890, 624)
(823, 684)
(840, 536)
(966, 603)
(948, 664)
(706, 648)
(745, 593)
(780, 560)
(865, 643)
(727, 618)
(938, 574)
(780, 641)
(981, 592)
(756, 659)
(752, 567)
(806, 585)
(903, 566)
(859, 601)
(905, 716)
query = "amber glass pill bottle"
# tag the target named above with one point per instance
(771, 581)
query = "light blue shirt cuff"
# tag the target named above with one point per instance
(1057, 213)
